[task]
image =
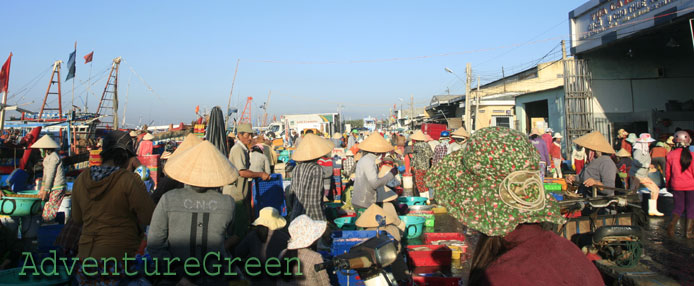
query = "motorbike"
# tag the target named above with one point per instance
(369, 259)
(620, 244)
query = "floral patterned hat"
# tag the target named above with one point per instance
(494, 185)
(304, 231)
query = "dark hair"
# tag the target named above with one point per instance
(308, 132)
(685, 158)
(489, 248)
(256, 149)
(120, 157)
(532, 137)
(262, 231)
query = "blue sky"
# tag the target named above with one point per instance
(186, 51)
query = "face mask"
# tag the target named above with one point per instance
(43, 153)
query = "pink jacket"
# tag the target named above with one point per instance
(676, 179)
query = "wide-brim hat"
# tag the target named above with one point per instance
(244, 128)
(623, 153)
(385, 194)
(645, 138)
(45, 142)
(202, 166)
(337, 136)
(133, 133)
(631, 138)
(622, 132)
(231, 135)
(557, 135)
(148, 137)
(304, 231)
(368, 218)
(189, 142)
(670, 140)
(595, 141)
(375, 143)
(460, 133)
(312, 147)
(419, 136)
(494, 184)
(270, 217)
(536, 131)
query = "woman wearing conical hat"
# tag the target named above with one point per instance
(200, 208)
(600, 169)
(307, 177)
(366, 181)
(53, 182)
(421, 159)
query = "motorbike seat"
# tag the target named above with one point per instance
(616, 230)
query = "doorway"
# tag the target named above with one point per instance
(536, 111)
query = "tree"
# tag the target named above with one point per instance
(356, 123)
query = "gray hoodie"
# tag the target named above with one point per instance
(187, 223)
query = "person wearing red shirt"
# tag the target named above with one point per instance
(679, 175)
(555, 154)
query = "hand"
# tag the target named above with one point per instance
(570, 179)
(592, 182)
(394, 171)
(265, 176)
(43, 195)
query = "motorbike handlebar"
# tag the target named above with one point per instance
(333, 263)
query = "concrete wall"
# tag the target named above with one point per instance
(487, 112)
(547, 76)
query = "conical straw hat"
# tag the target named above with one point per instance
(368, 218)
(460, 133)
(595, 141)
(45, 143)
(623, 153)
(147, 137)
(312, 147)
(189, 142)
(376, 143)
(419, 136)
(202, 166)
(337, 136)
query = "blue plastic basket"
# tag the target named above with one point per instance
(269, 194)
(343, 240)
(47, 236)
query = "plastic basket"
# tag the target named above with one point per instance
(428, 215)
(269, 194)
(553, 187)
(11, 277)
(47, 236)
(429, 238)
(437, 281)
(434, 255)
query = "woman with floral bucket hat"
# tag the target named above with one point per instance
(494, 187)
(304, 233)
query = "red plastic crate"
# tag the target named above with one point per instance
(438, 281)
(438, 255)
(428, 238)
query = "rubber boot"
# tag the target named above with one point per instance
(690, 228)
(653, 208)
(672, 225)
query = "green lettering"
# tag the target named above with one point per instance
(298, 266)
(86, 263)
(125, 265)
(217, 268)
(51, 260)
(256, 264)
(27, 257)
(169, 260)
(115, 266)
(156, 267)
(191, 262)
(71, 268)
(231, 262)
(276, 264)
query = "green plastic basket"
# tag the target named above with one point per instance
(552, 187)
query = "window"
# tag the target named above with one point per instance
(503, 121)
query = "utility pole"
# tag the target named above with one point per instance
(468, 77)
(503, 76)
(477, 106)
(563, 49)
(411, 112)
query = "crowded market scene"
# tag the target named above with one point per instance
(570, 165)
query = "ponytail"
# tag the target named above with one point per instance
(685, 158)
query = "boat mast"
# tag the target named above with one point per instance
(108, 105)
(55, 79)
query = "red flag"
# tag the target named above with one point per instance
(5, 74)
(197, 109)
(88, 57)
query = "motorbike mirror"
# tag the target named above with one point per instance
(381, 221)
